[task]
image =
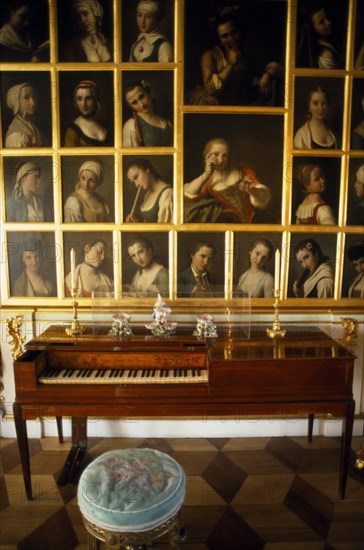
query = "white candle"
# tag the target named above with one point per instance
(73, 268)
(277, 269)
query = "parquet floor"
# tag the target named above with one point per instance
(278, 493)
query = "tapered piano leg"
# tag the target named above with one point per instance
(59, 429)
(73, 465)
(311, 419)
(347, 431)
(22, 437)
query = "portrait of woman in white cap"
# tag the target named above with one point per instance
(26, 203)
(85, 204)
(151, 45)
(89, 44)
(22, 100)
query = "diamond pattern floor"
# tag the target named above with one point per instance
(278, 493)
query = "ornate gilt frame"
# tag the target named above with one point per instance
(285, 231)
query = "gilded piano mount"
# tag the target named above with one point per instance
(350, 327)
(13, 329)
(76, 327)
(359, 462)
(275, 331)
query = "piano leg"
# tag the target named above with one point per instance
(22, 437)
(59, 429)
(311, 419)
(347, 431)
(76, 457)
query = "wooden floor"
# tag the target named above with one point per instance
(278, 493)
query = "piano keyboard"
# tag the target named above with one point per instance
(123, 376)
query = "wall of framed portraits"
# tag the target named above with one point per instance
(175, 146)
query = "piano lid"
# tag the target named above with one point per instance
(301, 341)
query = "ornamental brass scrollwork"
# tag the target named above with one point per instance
(13, 330)
(350, 326)
(359, 462)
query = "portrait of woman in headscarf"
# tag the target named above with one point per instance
(26, 204)
(88, 44)
(85, 204)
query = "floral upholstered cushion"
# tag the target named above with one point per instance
(131, 489)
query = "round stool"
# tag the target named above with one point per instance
(130, 497)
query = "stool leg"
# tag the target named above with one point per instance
(311, 419)
(93, 542)
(176, 535)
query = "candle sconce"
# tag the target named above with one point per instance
(275, 331)
(76, 327)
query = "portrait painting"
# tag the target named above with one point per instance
(355, 214)
(359, 37)
(86, 108)
(357, 115)
(148, 31)
(253, 269)
(321, 34)
(88, 188)
(353, 274)
(235, 52)
(315, 190)
(29, 189)
(318, 113)
(232, 168)
(148, 108)
(32, 259)
(24, 31)
(200, 265)
(145, 265)
(312, 265)
(148, 188)
(26, 109)
(85, 31)
(93, 263)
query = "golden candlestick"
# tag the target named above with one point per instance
(276, 331)
(76, 327)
